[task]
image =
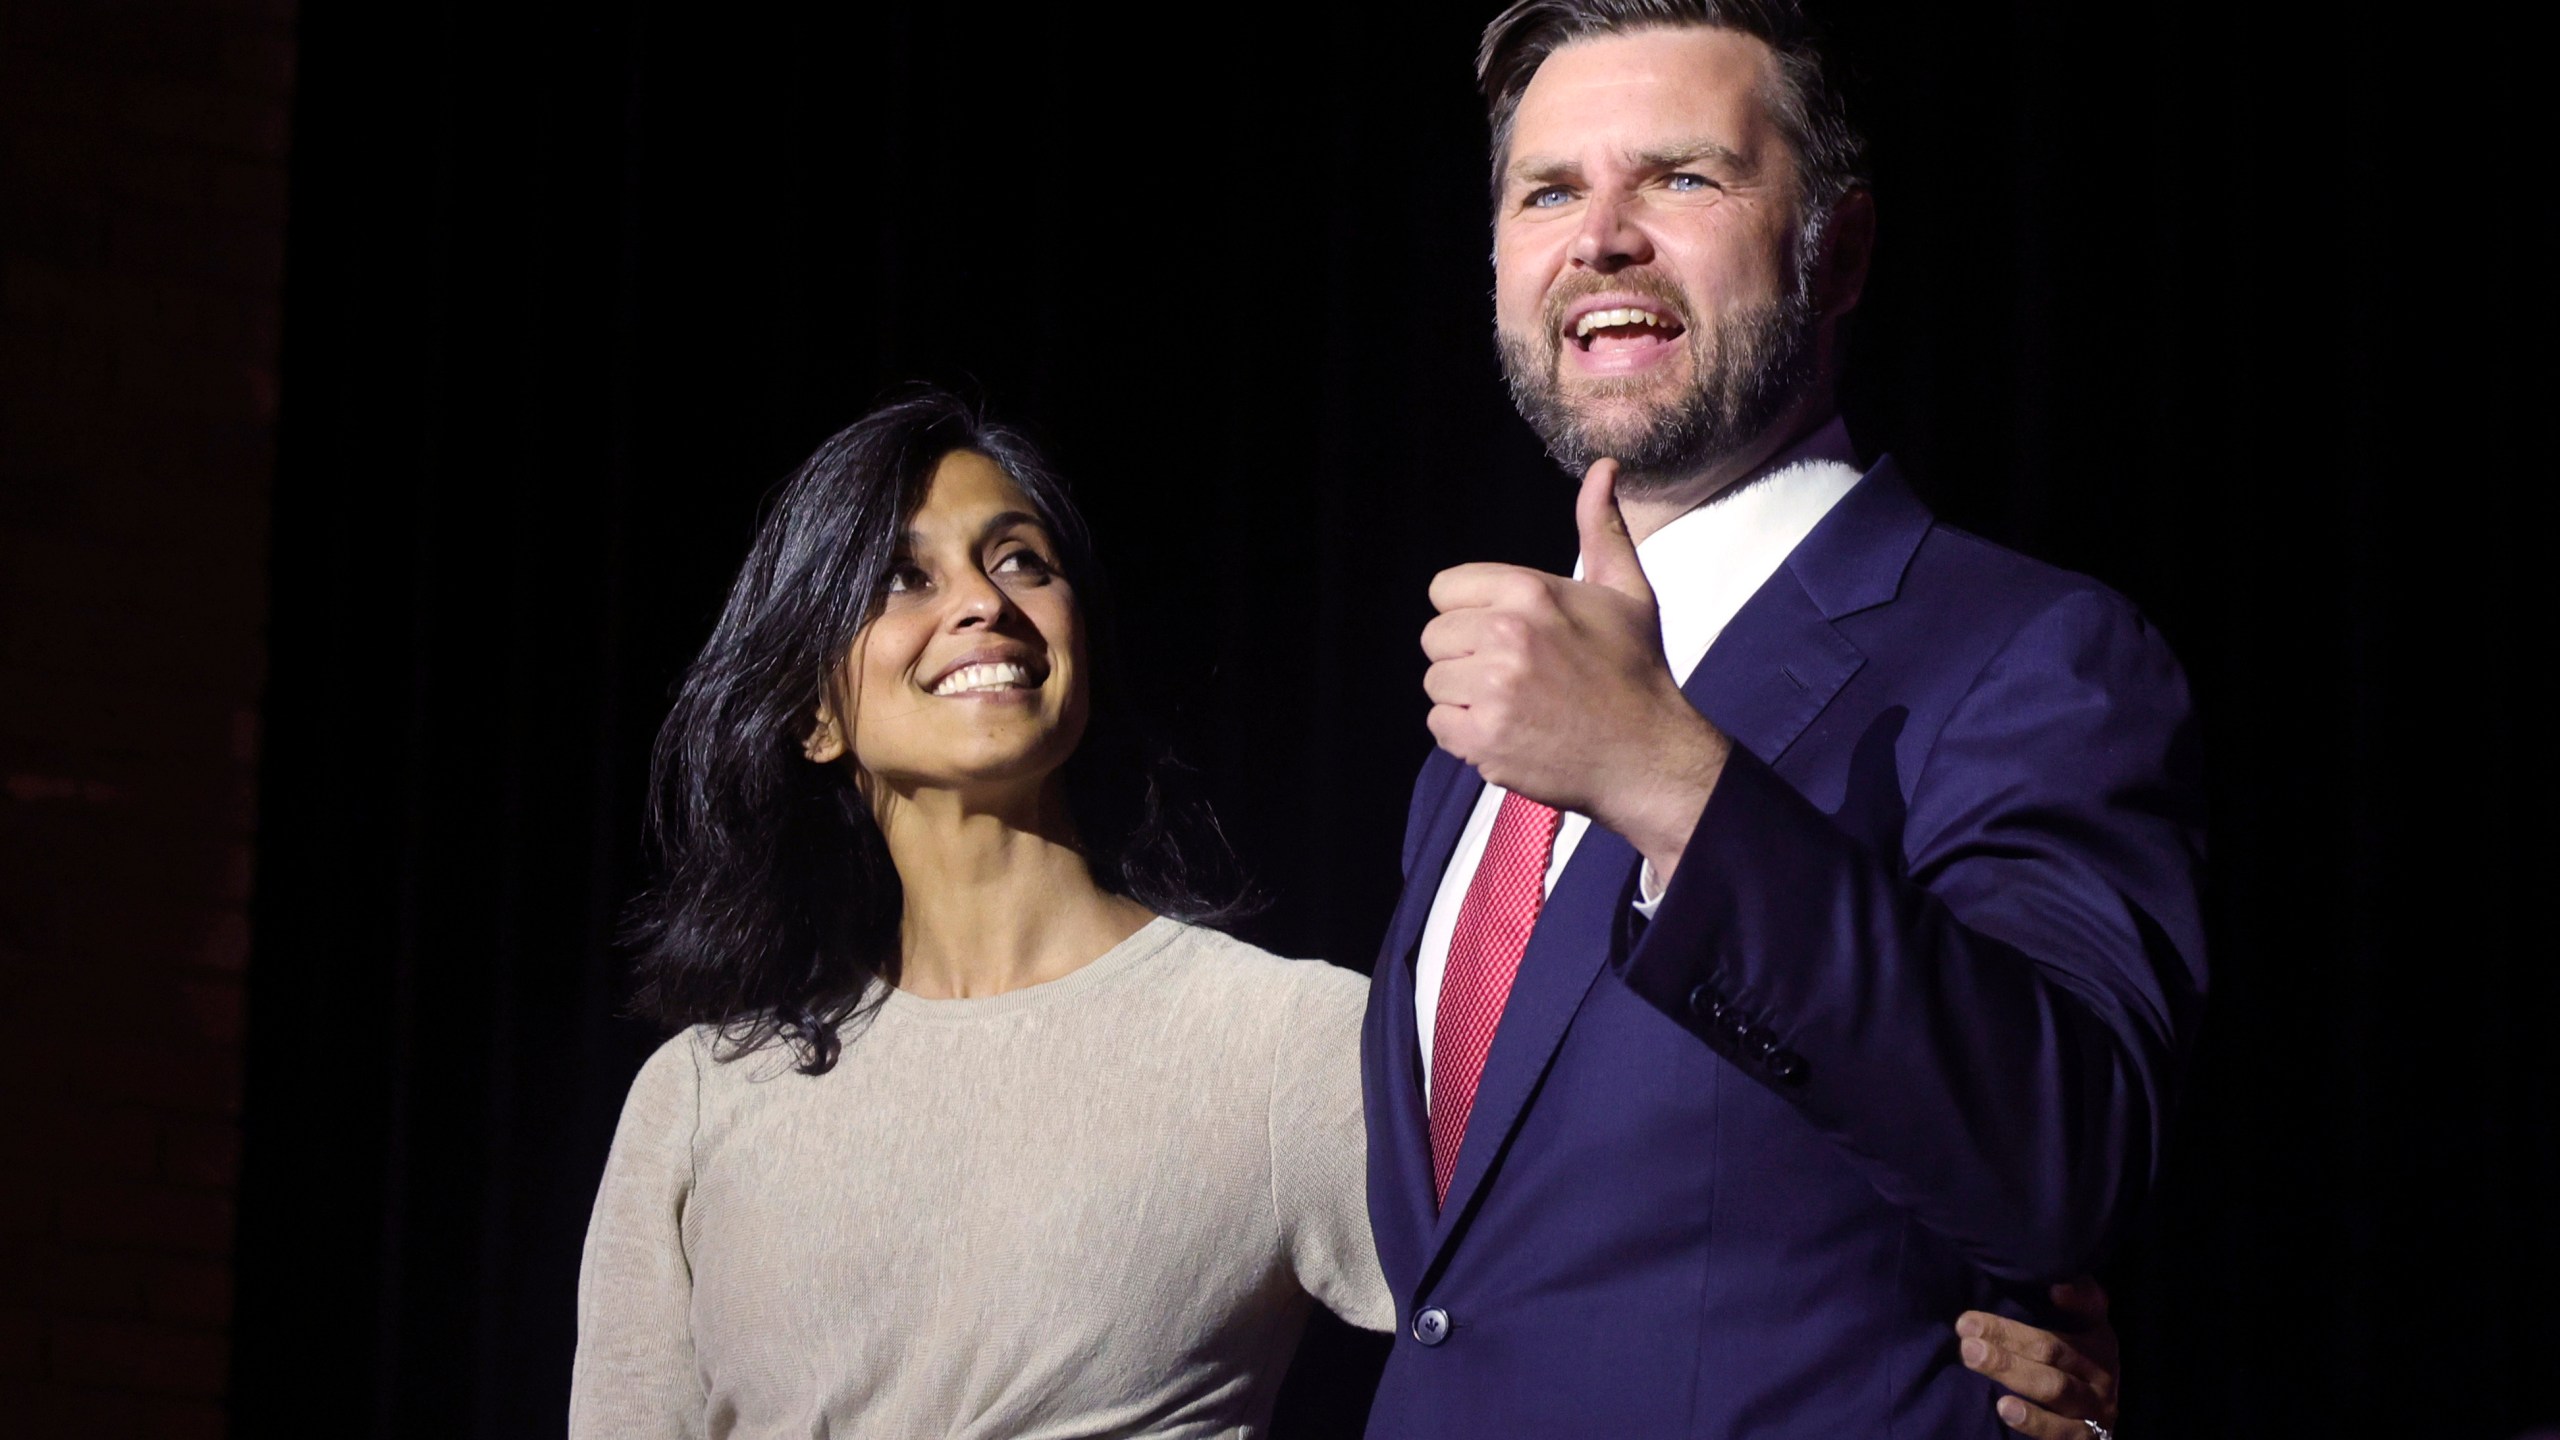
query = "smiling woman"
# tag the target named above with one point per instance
(970, 1128)
(779, 904)
(969, 682)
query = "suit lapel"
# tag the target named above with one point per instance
(1451, 797)
(1764, 680)
(1781, 659)
(1773, 669)
(1405, 1125)
(1565, 955)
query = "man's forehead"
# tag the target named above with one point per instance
(1645, 90)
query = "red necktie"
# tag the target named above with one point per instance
(1494, 922)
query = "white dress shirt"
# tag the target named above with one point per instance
(1702, 566)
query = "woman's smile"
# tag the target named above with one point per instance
(990, 677)
(976, 612)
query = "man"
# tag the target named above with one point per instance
(1800, 927)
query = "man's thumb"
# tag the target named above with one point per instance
(1608, 552)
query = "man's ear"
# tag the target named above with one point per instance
(1848, 244)
(824, 744)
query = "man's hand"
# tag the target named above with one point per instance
(2056, 1381)
(1558, 688)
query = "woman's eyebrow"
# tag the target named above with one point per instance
(914, 539)
(1007, 520)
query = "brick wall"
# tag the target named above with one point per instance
(142, 196)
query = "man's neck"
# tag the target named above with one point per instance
(1656, 506)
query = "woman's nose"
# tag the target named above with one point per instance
(976, 601)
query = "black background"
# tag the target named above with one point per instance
(2239, 311)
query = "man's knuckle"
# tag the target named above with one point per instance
(2045, 1387)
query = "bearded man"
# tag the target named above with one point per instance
(1800, 935)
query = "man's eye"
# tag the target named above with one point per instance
(1545, 197)
(1689, 182)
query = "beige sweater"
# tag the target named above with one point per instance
(1097, 1206)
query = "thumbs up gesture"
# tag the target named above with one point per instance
(1608, 551)
(1558, 688)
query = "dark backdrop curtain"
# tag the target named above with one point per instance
(2238, 314)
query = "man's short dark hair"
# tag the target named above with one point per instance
(1830, 155)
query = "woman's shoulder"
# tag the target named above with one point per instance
(666, 1095)
(1222, 965)
(677, 1062)
(712, 1058)
(1305, 1015)
(699, 1059)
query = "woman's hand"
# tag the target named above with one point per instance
(2056, 1381)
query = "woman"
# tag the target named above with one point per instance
(977, 1130)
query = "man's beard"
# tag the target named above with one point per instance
(1747, 370)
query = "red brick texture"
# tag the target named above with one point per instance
(142, 154)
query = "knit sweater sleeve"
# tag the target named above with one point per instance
(635, 1377)
(1319, 1156)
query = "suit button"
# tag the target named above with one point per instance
(1431, 1326)
(1788, 1066)
(1759, 1043)
(1737, 1030)
(1704, 1001)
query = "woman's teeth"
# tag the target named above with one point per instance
(970, 679)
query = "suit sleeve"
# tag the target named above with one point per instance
(635, 1374)
(1990, 1021)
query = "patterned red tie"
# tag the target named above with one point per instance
(1494, 921)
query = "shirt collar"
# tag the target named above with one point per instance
(1708, 561)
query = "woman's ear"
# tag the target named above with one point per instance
(824, 744)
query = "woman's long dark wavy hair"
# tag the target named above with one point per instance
(777, 906)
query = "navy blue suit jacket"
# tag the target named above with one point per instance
(1900, 1040)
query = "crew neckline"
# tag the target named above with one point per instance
(1143, 944)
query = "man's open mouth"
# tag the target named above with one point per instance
(1616, 328)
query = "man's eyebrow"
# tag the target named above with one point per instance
(1687, 152)
(1541, 169)
(1549, 169)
